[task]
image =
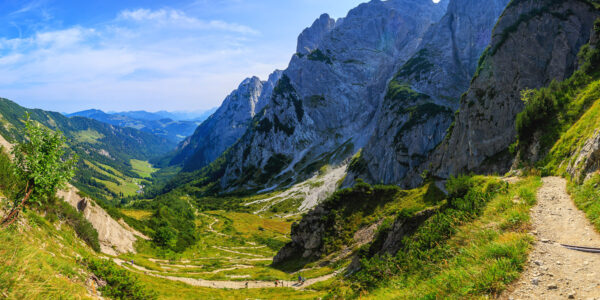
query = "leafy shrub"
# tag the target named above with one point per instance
(83, 228)
(121, 284)
(165, 237)
(458, 187)
(42, 161)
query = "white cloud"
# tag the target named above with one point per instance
(171, 17)
(28, 7)
(164, 60)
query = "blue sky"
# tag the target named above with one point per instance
(126, 55)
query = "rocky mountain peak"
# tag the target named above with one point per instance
(325, 109)
(227, 124)
(311, 37)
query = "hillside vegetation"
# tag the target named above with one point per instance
(102, 148)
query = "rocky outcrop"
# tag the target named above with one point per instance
(424, 94)
(587, 160)
(113, 237)
(5, 144)
(533, 43)
(402, 227)
(226, 125)
(307, 235)
(325, 106)
(311, 37)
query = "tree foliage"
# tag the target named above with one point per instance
(42, 162)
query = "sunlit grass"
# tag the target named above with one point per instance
(88, 136)
(138, 214)
(489, 253)
(142, 168)
(37, 261)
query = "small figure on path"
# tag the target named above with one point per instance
(246, 284)
(276, 281)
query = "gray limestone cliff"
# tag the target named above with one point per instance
(422, 97)
(223, 128)
(325, 106)
(533, 43)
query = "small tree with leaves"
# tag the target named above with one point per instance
(41, 162)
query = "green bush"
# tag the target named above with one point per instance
(165, 237)
(83, 228)
(121, 284)
(458, 187)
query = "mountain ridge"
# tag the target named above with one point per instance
(155, 123)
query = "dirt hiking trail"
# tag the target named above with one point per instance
(552, 271)
(222, 284)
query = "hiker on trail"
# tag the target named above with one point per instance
(303, 280)
(276, 281)
(246, 284)
(299, 278)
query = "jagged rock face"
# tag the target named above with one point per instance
(324, 107)
(533, 43)
(307, 237)
(451, 49)
(227, 124)
(414, 121)
(587, 159)
(310, 38)
(113, 237)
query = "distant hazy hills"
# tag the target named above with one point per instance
(174, 126)
(197, 116)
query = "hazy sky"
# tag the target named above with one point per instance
(69, 55)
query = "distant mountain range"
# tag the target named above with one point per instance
(175, 126)
(105, 152)
(198, 116)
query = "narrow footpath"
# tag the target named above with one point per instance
(223, 284)
(554, 272)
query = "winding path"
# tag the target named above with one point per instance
(223, 284)
(554, 272)
(210, 226)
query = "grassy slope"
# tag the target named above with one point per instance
(39, 261)
(587, 198)
(143, 168)
(577, 133)
(480, 258)
(125, 184)
(489, 252)
(203, 260)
